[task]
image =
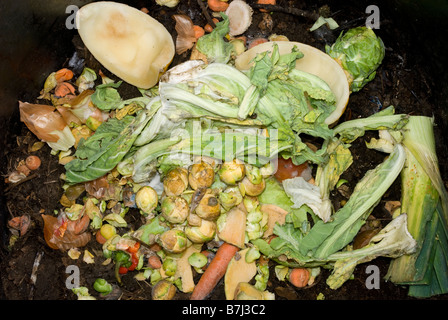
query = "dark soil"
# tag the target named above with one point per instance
(402, 81)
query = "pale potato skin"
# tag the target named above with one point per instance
(126, 41)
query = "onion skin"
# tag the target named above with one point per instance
(186, 36)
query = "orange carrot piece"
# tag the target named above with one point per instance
(63, 75)
(63, 89)
(99, 238)
(198, 31)
(257, 41)
(32, 162)
(214, 272)
(208, 27)
(299, 277)
(217, 5)
(271, 2)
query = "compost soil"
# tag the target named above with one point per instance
(401, 81)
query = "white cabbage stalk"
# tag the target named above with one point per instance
(392, 241)
(302, 192)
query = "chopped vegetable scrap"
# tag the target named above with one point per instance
(231, 171)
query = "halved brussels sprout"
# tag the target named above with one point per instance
(174, 209)
(194, 220)
(201, 175)
(250, 189)
(253, 173)
(173, 240)
(146, 199)
(230, 198)
(170, 266)
(163, 290)
(176, 181)
(209, 207)
(203, 233)
(232, 171)
(250, 203)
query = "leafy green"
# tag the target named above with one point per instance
(424, 199)
(199, 90)
(327, 238)
(213, 45)
(147, 232)
(292, 101)
(360, 52)
(327, 174)
(106, 97)
(101, 152)
(317, 245)
(302, 193)
(350, 130)
(392, 241)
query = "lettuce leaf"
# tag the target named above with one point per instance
(213, 45)
(101, 152)
(106, 97)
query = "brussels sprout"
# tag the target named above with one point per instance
(360, 52)
(254, 216)
(197, 260)
(203, 233)
(146, 199)
(250, 203)
(174, 241)
(232, 171)
(174, 209)
(209, 207)
(108, 231)
(253, 228)
(194, 220)
(102, 286)
(201, 175)
(163, 290)
(256, 220)
(230, 197)
(176, 182)
(250, 189)
(253, 173)
(170, 267)
(252, 254)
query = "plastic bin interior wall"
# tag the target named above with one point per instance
(34, 41)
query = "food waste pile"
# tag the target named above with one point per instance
(222, 158)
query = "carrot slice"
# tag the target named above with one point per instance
(198, 31)
(217, 5)
(63, 75)
(271, 2)
(63, 89)
(214, 272)
(299, 277)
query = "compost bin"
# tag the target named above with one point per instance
(37, 39)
